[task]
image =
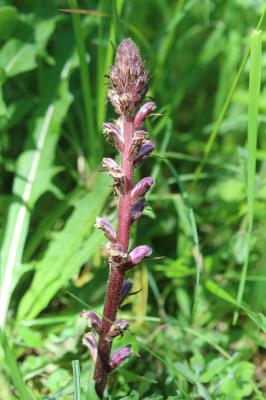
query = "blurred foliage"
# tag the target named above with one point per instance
(201, 215)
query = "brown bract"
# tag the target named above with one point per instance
(128, 83)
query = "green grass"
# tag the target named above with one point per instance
(197, 327)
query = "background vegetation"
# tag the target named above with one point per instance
(206, 214)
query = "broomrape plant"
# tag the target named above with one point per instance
(128, 85)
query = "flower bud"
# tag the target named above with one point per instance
(107, 228)
(90, 342)
(138, 254)
(144, 151)
(137, 209)
(127, 285)
(93, 320)
(120, 356)
(143, 113)
(128, 80)
(114, 131)
(118, 328)
(141, 188)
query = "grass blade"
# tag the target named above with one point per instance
(91, 140)
(221, 116)
(10, 363)
(254, 92)
(76, 375)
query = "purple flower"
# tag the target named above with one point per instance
(138, 254)
(127, 285)
(137, 209)
(120, 356)
(144, 151)
(90, 342)
(143, 113)
(107, 228)
(141, 188)
(118, 328)
(114, 131)
(93, 320)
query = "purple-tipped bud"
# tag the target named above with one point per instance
(137, 209)
(117, 257)
(128, 80)
(90, 342)
(93, 320)
(114, 131)
(144, 152)
(118, 328)
(107, 228)
(138, 254)
(127, 285)
(141, 188)
(112, 168)
(143, 113)
(120, 356)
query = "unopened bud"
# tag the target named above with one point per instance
(144, 151)
(107, 228)
(143, 113)
(141, 188)
(137, 209)
(127, 285)
(120, 356)
(138, 254)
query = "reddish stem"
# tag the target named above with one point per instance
(116, 274)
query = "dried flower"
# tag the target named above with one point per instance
(93, 320)
(118, 328)
(112, 130)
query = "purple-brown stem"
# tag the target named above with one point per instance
(127, 88)
(116, 275)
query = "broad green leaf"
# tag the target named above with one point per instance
(8, 20)
(17, 57)
(69, 249)
(33, 177)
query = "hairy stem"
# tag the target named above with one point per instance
(116, 274)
